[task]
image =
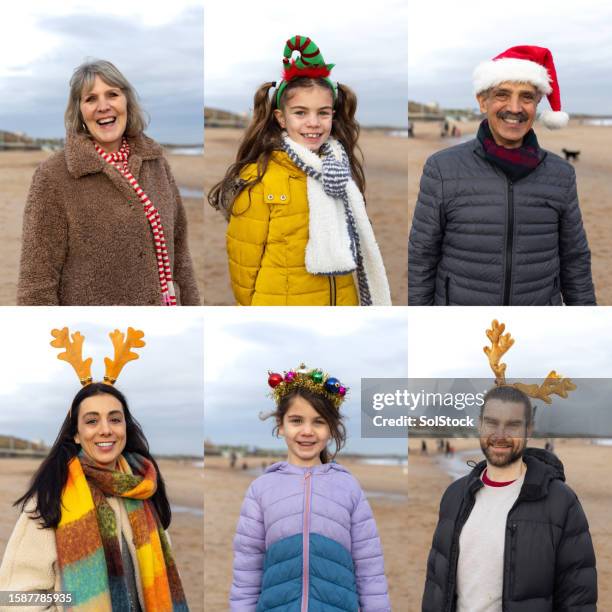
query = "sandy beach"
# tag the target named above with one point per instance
(183, 483)
(16, 170)
(224, 489)
(386, 196)
(586, 471)
(592, 173)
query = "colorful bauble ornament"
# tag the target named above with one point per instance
(274, 379)
(314, 380)
(332, 385)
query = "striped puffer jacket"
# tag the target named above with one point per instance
(307, 541)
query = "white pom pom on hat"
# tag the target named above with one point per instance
(525, 64)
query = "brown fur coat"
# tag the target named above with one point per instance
(86, 240)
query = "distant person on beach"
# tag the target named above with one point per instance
(104, 223)
(299, 233)
(93, 521)
(497, 221)
(306, 538)
(511, 535)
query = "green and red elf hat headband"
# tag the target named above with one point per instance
(310, 63)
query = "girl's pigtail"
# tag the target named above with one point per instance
(259, 141)
(346, 129)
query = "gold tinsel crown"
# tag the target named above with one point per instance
(314, 380)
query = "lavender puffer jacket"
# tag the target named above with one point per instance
(307, 541)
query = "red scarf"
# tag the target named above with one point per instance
(514, 163)
(119, 160)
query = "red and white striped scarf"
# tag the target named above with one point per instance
(119, 160)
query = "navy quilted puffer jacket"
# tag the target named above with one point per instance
(307, 542)
(549, 561)
(478, 239)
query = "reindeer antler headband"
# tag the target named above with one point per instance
(73, 352)
(501, 344)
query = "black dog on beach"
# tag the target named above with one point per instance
(571, 155)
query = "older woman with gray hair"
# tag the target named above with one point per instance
(104, 223)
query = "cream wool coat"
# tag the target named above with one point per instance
(30, 558)
(86, 240)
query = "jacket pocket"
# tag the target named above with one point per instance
(276, 189)
(447, 291)
(555, 295)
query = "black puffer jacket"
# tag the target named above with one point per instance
(478, 239)
(549, 562)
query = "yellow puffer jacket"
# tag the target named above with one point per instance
(266, 244)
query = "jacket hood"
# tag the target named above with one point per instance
(288, 468)
(82, 158)
(550, 460)
(542, 468)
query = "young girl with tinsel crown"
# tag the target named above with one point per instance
(306, 538)
(298, 227)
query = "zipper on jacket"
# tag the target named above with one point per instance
(332, 290)
(306, 542)
(509, 551)
(509, 244)
(449, 605)
(446, 290)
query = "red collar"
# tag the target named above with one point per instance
(493, 483)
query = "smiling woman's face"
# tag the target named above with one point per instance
(101, 429)
(104, 112)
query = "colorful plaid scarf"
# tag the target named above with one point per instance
(87, 541)
(514, 163)
(119, 160)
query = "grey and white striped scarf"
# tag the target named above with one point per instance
(341, 239)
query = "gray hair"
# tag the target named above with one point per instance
(82, 80)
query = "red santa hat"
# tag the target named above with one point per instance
(525, 64)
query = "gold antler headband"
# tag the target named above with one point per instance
(500, 345)
(73, 353)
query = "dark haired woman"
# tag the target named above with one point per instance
(298, 228)
(104, 223)
(306, 538)
(94, 518)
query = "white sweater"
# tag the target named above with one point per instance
(480, 570)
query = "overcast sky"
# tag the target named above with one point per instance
(157, 45)
(347, 343)
(446, 40)
(244, 43)
(163, 387)
(575, 343)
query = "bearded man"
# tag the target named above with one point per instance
(511, 535)
(497, 221)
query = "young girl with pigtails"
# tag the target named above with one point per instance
(298, 230)
(306, 539)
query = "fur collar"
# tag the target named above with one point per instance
(82, 158)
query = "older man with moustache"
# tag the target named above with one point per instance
(497, 220)
(511, 535)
